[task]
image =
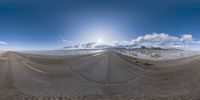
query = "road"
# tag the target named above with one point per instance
(100, 76)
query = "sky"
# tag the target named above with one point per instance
(54, 24)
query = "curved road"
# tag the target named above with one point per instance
(105, 75)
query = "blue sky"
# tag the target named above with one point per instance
(40, 24)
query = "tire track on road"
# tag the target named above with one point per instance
(100, 82)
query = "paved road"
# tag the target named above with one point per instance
(103, 76)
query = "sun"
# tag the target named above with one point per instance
(99, 40)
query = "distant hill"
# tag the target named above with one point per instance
(93, 46)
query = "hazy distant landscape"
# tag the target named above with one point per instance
(141, 53)
(64, 52)
(152, 54)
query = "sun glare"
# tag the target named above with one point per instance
(99, 40)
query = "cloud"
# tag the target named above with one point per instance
(186, 37)
(161, 40)
(155, 40)
(67, 42)
(162, 37)
(2, 43)
(198, 42)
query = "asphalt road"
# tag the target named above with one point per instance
(100, 76)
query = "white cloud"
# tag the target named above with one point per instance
(198, 42)
(162, 37)
(67, 42)
(186, 37)
(2, 43)
(155, 40)
(161, 40)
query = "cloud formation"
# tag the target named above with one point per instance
(186, 37)
(161, 40)
(2, 43)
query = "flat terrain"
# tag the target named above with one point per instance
(100, 76)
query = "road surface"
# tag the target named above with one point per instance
(100, 76)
